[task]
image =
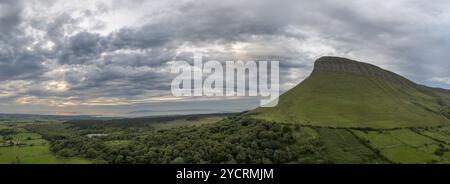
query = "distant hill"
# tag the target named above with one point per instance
(346, 93)
(38, 117)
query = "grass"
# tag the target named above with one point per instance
(185, 122)
(304, 134)
(429, 148)
(343, 147)
(52, 129)
(411, 138)
(403, 146)
(438, 135)
(34, 150)
(2, 126)
(408, 155)
(25, 136)
(39, 154)
(117, 143)
(379, 139)
(447, 156)
(441, 134)
(333, 99)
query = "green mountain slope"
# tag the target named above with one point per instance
(347, 93)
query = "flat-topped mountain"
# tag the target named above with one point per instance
(347, 93)
(338, 64)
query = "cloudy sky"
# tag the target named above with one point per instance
(110, 57)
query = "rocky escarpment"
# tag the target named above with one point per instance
(338, 64)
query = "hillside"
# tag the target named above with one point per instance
(346, 93)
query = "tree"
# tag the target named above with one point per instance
(91, 153)
(66, 152)
(440, 151)
(119, 159)
(178, 160)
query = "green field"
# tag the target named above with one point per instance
(33, 149)
(117, 143)
(404, 146)
(38, 154)
(441, 134)
(184, 122)
(2, 126)
(306, 134)
(52, 129)
(311, 144)
(344, 148)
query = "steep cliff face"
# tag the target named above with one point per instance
(347, 93)
(338, 64)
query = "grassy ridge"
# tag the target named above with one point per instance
(343, 99)
(397, 119)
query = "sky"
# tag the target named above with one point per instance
(112, 57)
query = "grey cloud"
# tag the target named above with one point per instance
(81, 48)
(15, 61)
(10, 16)
(26, 66)
(409, 38)
(146, 37)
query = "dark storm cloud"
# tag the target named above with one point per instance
(82, 47)
(25, 66)
(115, 81)
(15, 61)
(10, 16)
(147, 37)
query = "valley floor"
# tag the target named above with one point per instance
(25, 147)
(216, 139)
